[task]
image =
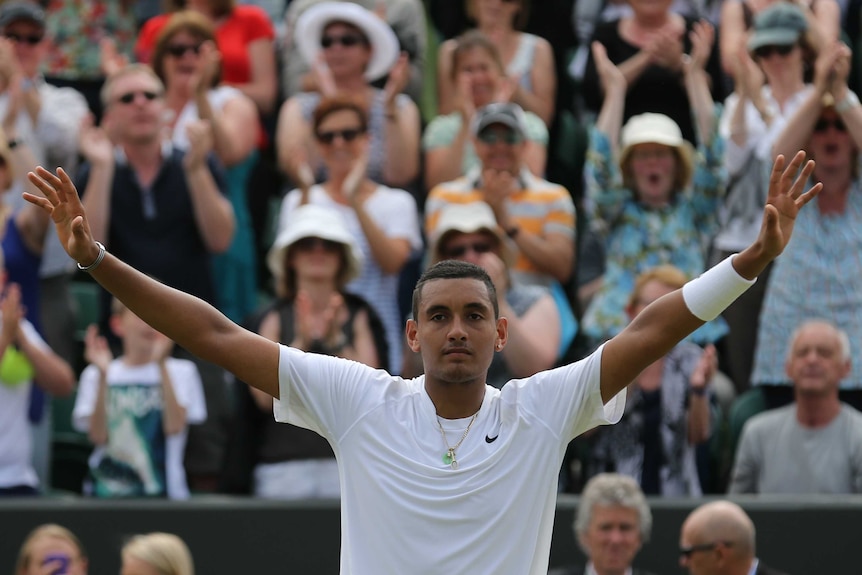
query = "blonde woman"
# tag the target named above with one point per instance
(51, 548)
(156, 554)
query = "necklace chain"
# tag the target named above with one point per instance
(449, 457)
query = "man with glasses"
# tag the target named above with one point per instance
(164, 209)
(538, 216)
(718, 538)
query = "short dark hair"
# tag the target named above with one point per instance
(453, 270)
(337, 103)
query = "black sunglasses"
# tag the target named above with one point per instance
(31, 39)
(459, 251)
(346, 135)
(129, 97)
(180, 50)
(767, 51)
(346, 40)
(687, 552)
(822, 125)
(492, 137)
(310, 243)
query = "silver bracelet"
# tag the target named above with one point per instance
(96, 263)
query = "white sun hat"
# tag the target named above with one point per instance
(382, 40)
(468, 218)
(313, 221)
(651, 128)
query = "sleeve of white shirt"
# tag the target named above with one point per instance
(85, 401)
(189, 390)
(568, 399)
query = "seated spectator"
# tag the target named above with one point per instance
(136, 410)
(815, 444)
(649, 47)
(480, 79)
(718, 538)
(528, 59)
(769, 87)
(651, 198)
(469, 232)
(52, 549)
(162, 553)
(538, 216)
(351, 47)
(667, 410)
(25, 359)
(189, 64)
(737, 18)
(407, 19)
(246, 42)
(383, 221)
(612, 522)
(312, 260)
(818, 274)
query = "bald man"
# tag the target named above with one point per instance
(718, 539)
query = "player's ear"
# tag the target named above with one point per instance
(411, 331)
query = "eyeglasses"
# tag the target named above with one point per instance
(492, 137)
(822, 125)
(311, 243)
(687, 552)
(455, 252)
(767, 51)
(180, 50)
(347, 135)
(130, 97)
(31, 39)
(346, 40)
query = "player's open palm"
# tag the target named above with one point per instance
(786, 197)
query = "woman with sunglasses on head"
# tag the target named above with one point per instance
(383, 221)
(469, 232)
(348, 47)
(818, 276)
(528, 59)
(312, 260)
(480, 79)
(769, 86)
(652, 199)
(189, 64)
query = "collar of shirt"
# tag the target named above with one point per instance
(122, 160)
(591, 570)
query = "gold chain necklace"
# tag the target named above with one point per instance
(449, 457)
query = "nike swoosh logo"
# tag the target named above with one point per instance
(489, 439)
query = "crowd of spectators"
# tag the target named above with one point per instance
(296, 163)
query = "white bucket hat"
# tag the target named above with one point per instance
(651, 128)
(313, 221)
(382, 40)
(468, 219)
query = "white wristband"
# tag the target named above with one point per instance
(714, 290)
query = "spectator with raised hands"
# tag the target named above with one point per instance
(819, 275)
(383, 221)
(651, 198)
(350, 47)
(528, 59)
(480, 79)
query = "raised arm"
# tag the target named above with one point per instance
(696, 80)
(189, 321)
(665, 322)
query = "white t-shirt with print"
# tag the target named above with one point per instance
(403, 510)
(139, 460)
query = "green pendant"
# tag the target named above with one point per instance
(447, 458)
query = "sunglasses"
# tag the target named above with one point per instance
(130, 97)
(311, 243)
(823, 125)
(31, 39)
(347, 135)
(455, 252)
(180, 50)
(346, 40)
(767, 51)
(492, 137)
(687, 552)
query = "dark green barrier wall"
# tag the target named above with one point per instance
(243, 536)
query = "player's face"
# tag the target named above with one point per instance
(456, 331)
(612, 538)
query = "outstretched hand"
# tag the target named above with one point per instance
(786, 197)
(63, 204)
